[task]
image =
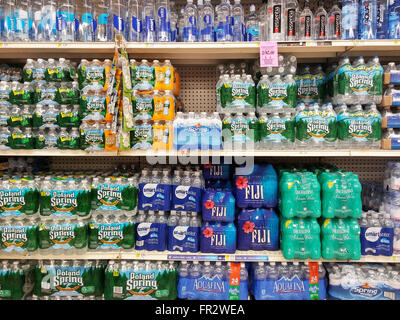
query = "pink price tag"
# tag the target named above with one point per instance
(269, 54)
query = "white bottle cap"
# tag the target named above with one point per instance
(199, 2)
(252, 8)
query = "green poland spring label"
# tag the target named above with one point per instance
(142, 137)
(111, 236)
(311, 88)
(65, 203)
(238, 95)
(18, 238)
(140, 285)
(93, 108)
(16, 202)
(93, 139)
(114, 197)
(89, 75)
(361, 80)
(277, 95)
(316, 125)
(143, 107)
(358, 127)
(277, 130)
(62, 237)
(69, 281)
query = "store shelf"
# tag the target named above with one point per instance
(224, 153)
(239, 256)
(197, 53)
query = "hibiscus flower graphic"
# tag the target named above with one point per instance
(241, 183)
(208, 166)
(208, 232)
(248, 227)
(209, 204)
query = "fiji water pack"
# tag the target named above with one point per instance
(299, 195)
(258, 189)
(218, 206)
(300, 238)
(341, 195)
(212, 281)
(258, 229)
(287, 281)
(341, 239)
(140, 281)
(218, 237)
(151, 231)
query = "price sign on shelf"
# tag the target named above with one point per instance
(269, 54)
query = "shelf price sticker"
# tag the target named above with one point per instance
(234, 281)
(314, 280)
(269, 54)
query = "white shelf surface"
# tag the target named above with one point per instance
(200, 52)
(239, 256)
(223, 153)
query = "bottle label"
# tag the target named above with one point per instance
(87, 18)
(155, 197)
(234, 281)
(253, 33)
(142, 137)
(311, 88)
(103, 19)
(316, 126)
(358, 126)
(151, 236)
(307, 26)
(321, 22)
(63, 19)
(277, 130)
(118, 23)
(115, 197)
(215, 239)
(393, 121)
(186, 198)
(15, 202)
(291, 23)
(4, 142)
(216, 172)
(277, 19)
(162, 19)
(377, 241)
(218, 206)
(18, 238)
(116, 236)
(62, 237)
(94, 108)
(395, 98)
(183, 238)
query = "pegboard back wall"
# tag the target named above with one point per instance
(369, 170)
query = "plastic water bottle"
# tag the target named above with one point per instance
(35, 20)
(162, 21)
(223, 13)
(134, 26)
(173, 17)
(101, 27)
(9, 21)
(252, 25)
(393, 19)
(237, 21)
(292, 20)
(181, 25)
(66, 20)
(206, 22)
(86, 23)
(117, 18)
(335, 23)
(382, 19)
(277, 27)
(306, 23)
(320, 22)
(367, 20)
(350, 19)
(21, 21)
(190, 31)
(49, 21)
(183, 272)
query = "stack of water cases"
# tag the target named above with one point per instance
(306, 196)
(15, 278)
(288, 281)
(153, 104)
(391, 102)
(169, 210)
(213, 281)
(363, 282)
(53, 212)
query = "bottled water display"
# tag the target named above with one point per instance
(140, 280)
(363, 282)
(15, 277)
(286, 281)
(211, 281)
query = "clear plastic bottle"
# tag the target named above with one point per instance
(276, 18)
(66, 20)
(350, 19)
(393, 19)
(117, 18)
(292, 20)
(162, 20)
(173, 23)
(306, 23)
(367, 20)
(252, 25)
(21, 21)
(35, 20)
(134, 21)
(335, 23)
(86, 31)
(237, 22)
(190, 31)
(223, 21)
(206, 22)
(102, 31)
(320, 22)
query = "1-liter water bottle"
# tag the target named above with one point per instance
(277, 27)
(101, 26)
(306, 23)
(21, 21)
(117, 18)
(292, 20)
(335, 23)
(223, 21)
(134, 27)
(35, 20)
(350, 19)
(320, 22)
(237, 21)
(149, 22)
(367, 20)
(206, 22)
(190, 31)
(66, 20)
(394, 19)
(252, 25)
(162, 21)
(86, 32)
(381, 19)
